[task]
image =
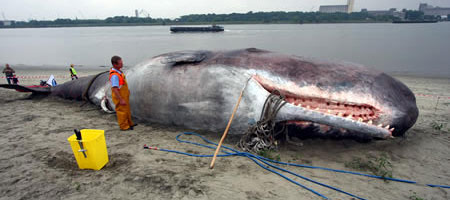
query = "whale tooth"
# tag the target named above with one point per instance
(316, 109)
(387, 127)
(299, 105)
(360, 119)
(308, 107)
(380, 125)
(329, 111)
(340, 114)
(349, 117)
(370, 122)
(392, 129)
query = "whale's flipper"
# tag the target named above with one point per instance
(22, 88)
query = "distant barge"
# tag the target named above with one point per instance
(212, 28)
(416, 21)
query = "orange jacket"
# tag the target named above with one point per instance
(121, 76)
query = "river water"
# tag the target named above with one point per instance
(417, 49)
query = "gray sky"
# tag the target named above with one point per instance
(100, 9)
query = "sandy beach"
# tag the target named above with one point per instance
(37, 161)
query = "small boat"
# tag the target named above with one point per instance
(414, 21)
(213, 28)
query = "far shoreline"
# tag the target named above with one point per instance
(198, 24)
(193, 24)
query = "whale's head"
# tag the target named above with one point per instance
(329, 98)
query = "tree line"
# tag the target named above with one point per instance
(233, 18)
(285, 17)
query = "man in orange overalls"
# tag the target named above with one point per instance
(120, 94)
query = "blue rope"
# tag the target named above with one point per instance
(259, 160)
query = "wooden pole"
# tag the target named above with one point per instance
(228, 127)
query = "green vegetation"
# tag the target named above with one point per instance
(437, 125)
(77, 186)
(233, 18)
(270, 154)
(285, 17)
(279, 17)
(379, 166)
(110, 21)
(415, 197)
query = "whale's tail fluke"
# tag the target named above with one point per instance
(33, 89)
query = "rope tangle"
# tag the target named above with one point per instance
(261, 136)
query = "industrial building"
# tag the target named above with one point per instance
(435, 11)
(338, 8)
(390, 12)
(6, 22)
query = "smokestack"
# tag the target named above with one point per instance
(350, 4)
(136, 13)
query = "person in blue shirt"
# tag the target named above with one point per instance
(120, 94)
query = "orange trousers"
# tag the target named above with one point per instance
(123, 111)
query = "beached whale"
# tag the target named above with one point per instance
(198, 90)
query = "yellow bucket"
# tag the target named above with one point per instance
(94, 146)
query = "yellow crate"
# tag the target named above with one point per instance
(95, 145)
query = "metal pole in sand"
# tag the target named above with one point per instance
(228, 126)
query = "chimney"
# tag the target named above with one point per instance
(350, 4)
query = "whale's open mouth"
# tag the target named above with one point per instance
(361, 114)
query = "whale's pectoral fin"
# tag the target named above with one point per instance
(21, 88)
(184, 57)
(106, 106)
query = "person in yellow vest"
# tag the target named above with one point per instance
(73, 72)
(120, 94)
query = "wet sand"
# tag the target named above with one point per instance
(37, 161)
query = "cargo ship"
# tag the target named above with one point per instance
(213, 28)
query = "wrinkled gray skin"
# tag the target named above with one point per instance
(199, 89)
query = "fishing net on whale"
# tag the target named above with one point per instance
(261, 136)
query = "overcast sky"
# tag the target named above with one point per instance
(101, 9)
